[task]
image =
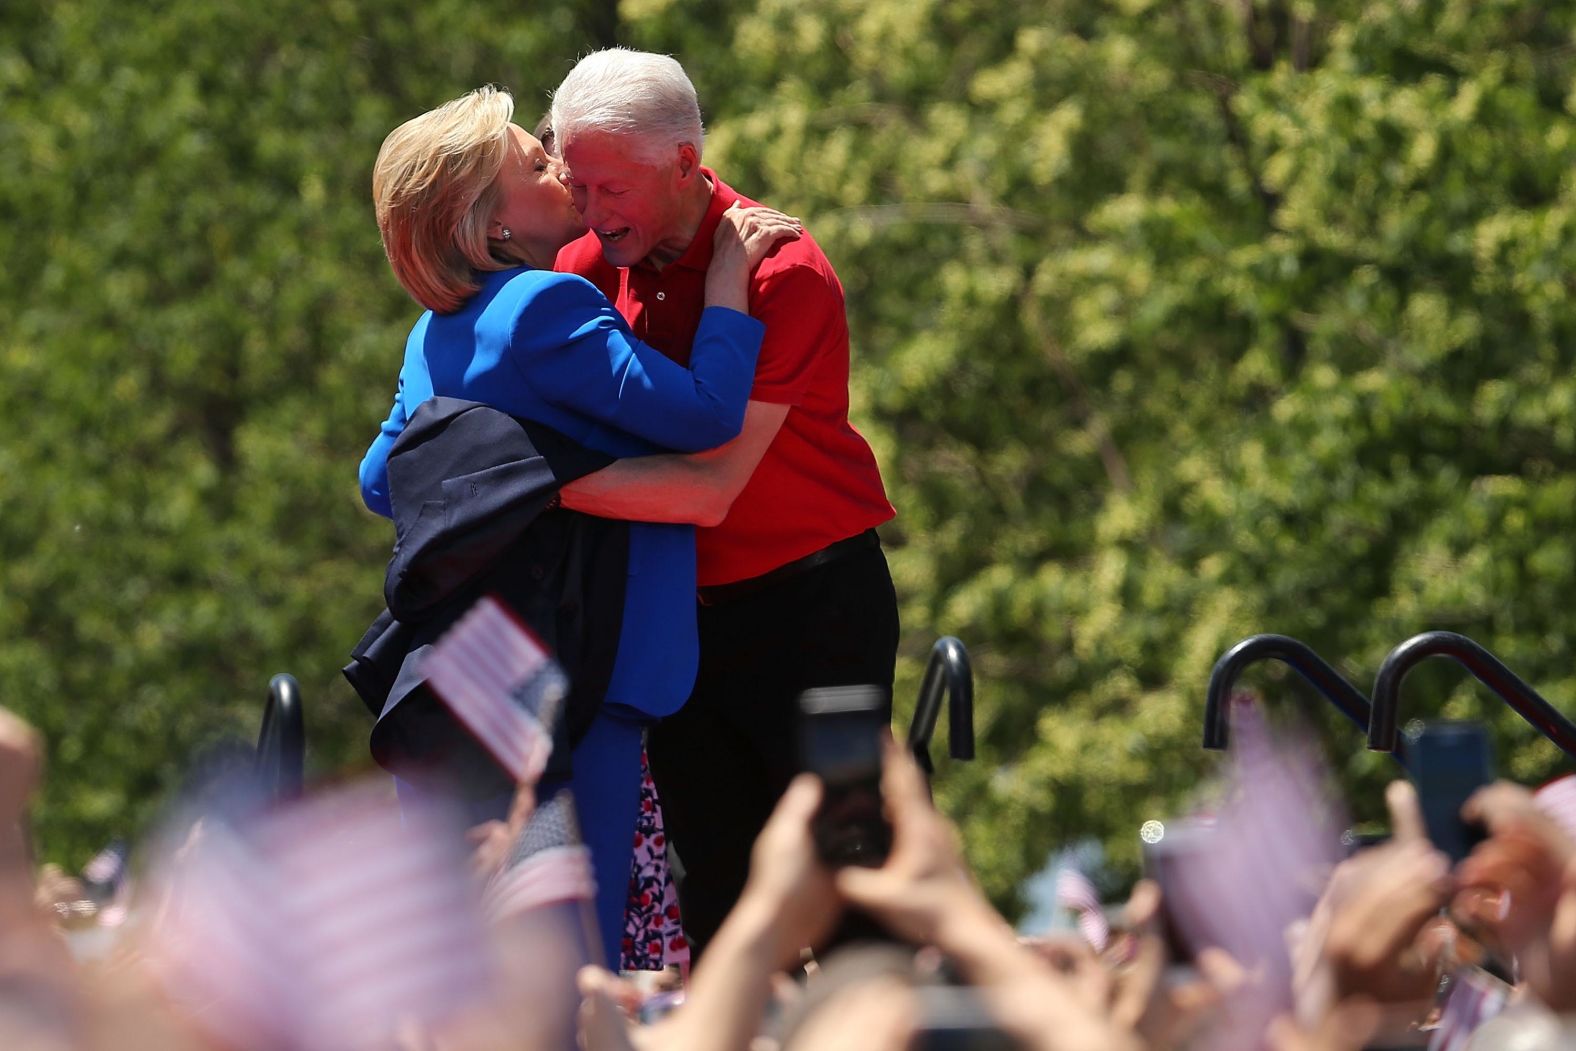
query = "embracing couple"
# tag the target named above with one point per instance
(607, 285)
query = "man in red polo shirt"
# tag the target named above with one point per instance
(793, 587)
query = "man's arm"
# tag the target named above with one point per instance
(698, 488)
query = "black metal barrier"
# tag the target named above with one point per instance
(1383, 721)
(1296, 655)
(948, 673)
(281, 743)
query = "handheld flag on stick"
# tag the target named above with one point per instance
(501, 683)
(322, 925)
(1075, 892)
(1260, 869)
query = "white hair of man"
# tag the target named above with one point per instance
(636, 93)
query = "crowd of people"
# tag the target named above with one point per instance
(1399, 948)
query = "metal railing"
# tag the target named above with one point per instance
(948, 674)
(281, 743)
(1296, 655)
(1383, 723)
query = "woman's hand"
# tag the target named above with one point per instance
(745, 234)
(744, 237)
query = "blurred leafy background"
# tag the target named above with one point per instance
(1173, 322)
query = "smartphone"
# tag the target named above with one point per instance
(1450, 760)
(1166, 850)
(955, 1019)
(840, 733)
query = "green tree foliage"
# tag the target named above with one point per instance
(1183, 322)
(201, 334)
(1173, 323)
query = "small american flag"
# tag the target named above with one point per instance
(1274, 840)
(217, 949)
(549, 863)
(323, 925)
(1075, 892)
(1475, 996)
(500, 682)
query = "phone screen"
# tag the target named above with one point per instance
(1165, 856)
(1450, 761)
(840, 742)
(841, 747)
(954, 1019)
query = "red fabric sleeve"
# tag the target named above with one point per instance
(801, 305)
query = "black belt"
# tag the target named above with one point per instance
(716, 594)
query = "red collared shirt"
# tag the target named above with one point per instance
(818, 481)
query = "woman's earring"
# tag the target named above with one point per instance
(506, 234)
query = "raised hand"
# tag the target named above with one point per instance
(1162, 1011)
(924, 881)
(491, 841)
(925, 893)
(1520, 885)
(21, 761)
(1367, 935)
(787, 879)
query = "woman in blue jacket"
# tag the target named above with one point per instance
(472, 213)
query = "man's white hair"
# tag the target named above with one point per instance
(636, 93)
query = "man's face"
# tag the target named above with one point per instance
(633, 206)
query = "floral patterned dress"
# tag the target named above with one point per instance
(653, 936)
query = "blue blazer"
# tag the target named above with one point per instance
(549, 347)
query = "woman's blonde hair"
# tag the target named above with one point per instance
(434, 187)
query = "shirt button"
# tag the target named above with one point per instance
(661, 296)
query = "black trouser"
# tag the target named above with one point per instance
(723, 760)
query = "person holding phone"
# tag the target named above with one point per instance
(923, 893)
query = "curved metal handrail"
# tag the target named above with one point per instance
(948, 672)
(1484, 666)
(281, 743)
(1296, 655)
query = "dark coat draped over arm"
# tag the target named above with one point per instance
(470, 487)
